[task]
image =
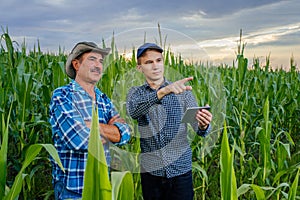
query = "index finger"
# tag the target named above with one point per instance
(187, 79)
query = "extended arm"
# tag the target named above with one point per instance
(139, 101)
(176, 88)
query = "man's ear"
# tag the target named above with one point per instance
(75, 64)
(139, 68)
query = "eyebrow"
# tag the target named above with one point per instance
(94, 57)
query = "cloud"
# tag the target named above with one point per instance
(272, 34)
(258, 37)
(190, 26)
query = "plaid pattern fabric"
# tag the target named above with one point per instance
(165, 148)
(70, 106)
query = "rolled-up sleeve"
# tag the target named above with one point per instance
(124, 132)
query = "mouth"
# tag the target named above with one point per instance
(96, 70)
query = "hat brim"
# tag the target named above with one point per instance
(78, 50)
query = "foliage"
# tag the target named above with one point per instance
(227, 177)
(259, 105)
(96, 178)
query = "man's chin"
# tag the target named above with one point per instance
(95, 80)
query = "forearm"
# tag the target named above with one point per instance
(177, 87)
(110, 132)
(162, 92)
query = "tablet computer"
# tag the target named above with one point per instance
(190, 113)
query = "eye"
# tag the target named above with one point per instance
(148, 62)
(92, 58)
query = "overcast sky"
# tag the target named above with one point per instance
(205, 29)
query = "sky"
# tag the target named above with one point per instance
(198, 30)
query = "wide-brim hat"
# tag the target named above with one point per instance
(146, 46)
(80, 48)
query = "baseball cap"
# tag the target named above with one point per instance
(146, 46)
(80, 48)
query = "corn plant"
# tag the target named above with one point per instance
(3, 155)
(227, 176)
(28, 93)
(260, 106)
(97, 184)
(30, 156)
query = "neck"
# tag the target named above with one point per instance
(88, 87)
(156, 84)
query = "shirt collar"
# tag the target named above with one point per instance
(164, 84)
(78, 88)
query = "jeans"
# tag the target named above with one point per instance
(61, 192)
(161, 188)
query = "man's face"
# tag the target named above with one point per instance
(89, 68)
(152, 66)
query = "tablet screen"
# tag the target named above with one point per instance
(190, 113)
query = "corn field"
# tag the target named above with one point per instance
(253, 151)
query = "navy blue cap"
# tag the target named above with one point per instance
(146, 46)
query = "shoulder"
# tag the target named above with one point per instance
(101, 96)
(137, 89)
(62, 91)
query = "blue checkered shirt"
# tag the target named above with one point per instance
(165, 150)
(70, 106)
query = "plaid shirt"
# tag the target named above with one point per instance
(70, 106)
(164, 144)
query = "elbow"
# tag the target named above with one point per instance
(124, 134)
(133, 114)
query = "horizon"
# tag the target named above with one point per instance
(197, 30)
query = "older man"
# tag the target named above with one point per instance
(71, 114)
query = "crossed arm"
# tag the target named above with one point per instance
(109, 131)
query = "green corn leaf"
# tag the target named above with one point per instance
(259, 193)
(293, 189)
(3, 154)
(196, 166)
(265, 137)
(224, 163)
(31, 154)
(10, 49)
(96, 178)
(233, 179)
(243, 189)
(122, 185)
(227, 179)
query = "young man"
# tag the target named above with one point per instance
(158, 106)
(71, 116)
